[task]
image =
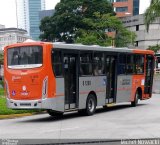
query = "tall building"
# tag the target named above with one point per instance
(28, 16)
(46, 13)
(125, 8)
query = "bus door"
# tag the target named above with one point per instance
(149, 74)
(70, 80)
(111, 78)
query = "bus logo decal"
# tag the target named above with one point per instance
(13, 93)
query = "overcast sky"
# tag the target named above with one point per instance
(8, 10)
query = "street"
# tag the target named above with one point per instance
(118, 122)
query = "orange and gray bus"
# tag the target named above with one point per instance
(71, 77)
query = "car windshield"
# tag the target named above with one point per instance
(25, 57)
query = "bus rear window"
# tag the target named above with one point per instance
(24, 57)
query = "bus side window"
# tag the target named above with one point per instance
(86, 64)
(139, 62)
(122, 64)
(98, 64)
(57, 63)
(130, 66)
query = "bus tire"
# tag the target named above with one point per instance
(135, 102)
(90, 105)
(54, 114)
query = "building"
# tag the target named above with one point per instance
(2, 26)
(144, 39)
(46, 13)
(12, 35)
(28, 16)
(126, 7)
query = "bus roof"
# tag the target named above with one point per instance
(100, 48)
(84, 47)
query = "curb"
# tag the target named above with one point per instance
(12, 116)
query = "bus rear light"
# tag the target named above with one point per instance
(7, 89)
(45, 88)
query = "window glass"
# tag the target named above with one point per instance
(86, 64)
(98, 64)
(130, 66)
(139, 64)
(122, 64)
(57, 63)
(122, 9)
(121, 0)
(25, 57)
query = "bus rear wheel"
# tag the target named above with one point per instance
(90, 105)
(54, 114)
(135, 102)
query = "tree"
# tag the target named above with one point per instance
(1, 58)
(155, 48)
(84, 21)
(95, 34)
(68, 18)
(152, 12)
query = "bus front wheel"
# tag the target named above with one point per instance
(90, 105)
(135, 102)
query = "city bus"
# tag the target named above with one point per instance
(61, 77)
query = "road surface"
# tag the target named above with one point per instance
(119, 122)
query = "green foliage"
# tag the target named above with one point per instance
(96, 28)
(69, 18)
(1, 58)
(152, 12)
(85, 22)
(155, 48)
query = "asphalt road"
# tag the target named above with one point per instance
(118, 122)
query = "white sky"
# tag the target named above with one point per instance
(8, 10)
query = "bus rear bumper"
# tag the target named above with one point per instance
(49, 103)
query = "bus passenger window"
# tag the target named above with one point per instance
(57, 63)
(98, 64)
(86, 64)
(139, 62)
(122, 64)
(130, 66)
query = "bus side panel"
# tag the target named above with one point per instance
(124, 88)
(60, 93)
(100, 84)
(95, 84)
(138, 82)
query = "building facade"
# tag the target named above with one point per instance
(2, 26)
(28, 16)
(144, 39)
(46, 13)
(12, 35)
(124, 8)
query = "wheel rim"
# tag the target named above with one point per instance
(91, 105)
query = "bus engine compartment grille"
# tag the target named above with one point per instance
(25, 104)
